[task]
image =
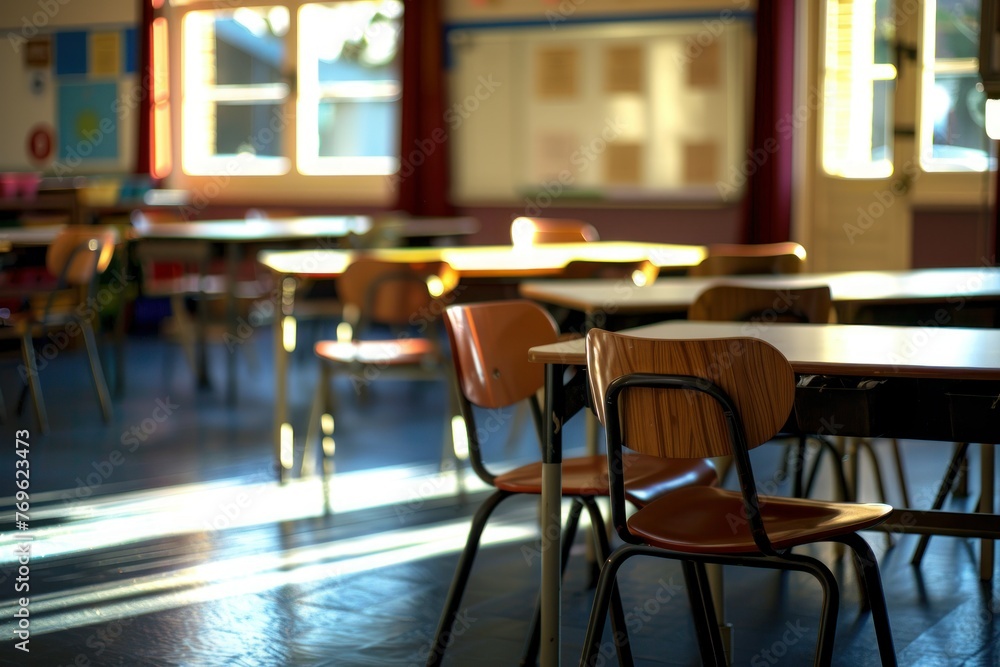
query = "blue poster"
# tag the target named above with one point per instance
(87, 123)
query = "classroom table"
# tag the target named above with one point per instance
(921, 362)
(323, 231)
(471, 262)
(850, 290)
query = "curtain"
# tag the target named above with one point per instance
(422, 180)
(767, 211)
(144, 146)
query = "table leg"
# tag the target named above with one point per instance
(551, 592)
(232, 269)
(986, 468)
(283, 440)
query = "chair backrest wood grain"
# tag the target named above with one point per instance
(736, 303)
(733, 259)
(395, 293)
(536, 231)
(687, 423)
(489, 345)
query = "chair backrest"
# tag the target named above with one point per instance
(736, 303)
(489, 347)
(750, 259)
(536, 231)
(640, 273)
(80, 252)
(688, 423)
(394, 293)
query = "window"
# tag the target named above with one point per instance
(309, 88)
(861, 55)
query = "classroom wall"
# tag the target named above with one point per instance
(31, 94)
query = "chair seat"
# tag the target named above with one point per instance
(687, 520)
(396, 351)
(647, 476)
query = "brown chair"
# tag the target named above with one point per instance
(489, 345)
(408, 299)
(733, 259)
(640, 273)
(76, 257)
(536, 231)
(705, 398)
(737, 303)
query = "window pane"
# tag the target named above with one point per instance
(246, 49)
(358, 129)
(883, 94)
(885, 32)
(957, 29)
(254, 129)
(349, 86)
(956, 109)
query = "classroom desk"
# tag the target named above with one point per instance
(922, 361)
(323, 231)
(851, 290)
(492, 262)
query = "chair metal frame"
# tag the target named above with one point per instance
(73, 270)
(767, 556)
(581, 499)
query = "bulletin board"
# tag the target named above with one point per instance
(599, 111)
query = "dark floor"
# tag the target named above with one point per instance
(180, 549)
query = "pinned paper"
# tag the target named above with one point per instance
(105, 53)
(703, 70)
(701, 162)
(557, 73)
(624, 69)
(624, 164)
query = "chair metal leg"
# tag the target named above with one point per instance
(706, 624)
(602, 600)
(34, 384)
(313, 435)
(799, 447)
(872, 583)
(618, 624)
(866, 445)
(530, 656)
(100, 384)
(442, 638)
(838, 468)
(904, 488)
(957, 458)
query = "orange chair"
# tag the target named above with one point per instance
(536, 231)
(402, 296)
(705, 398)
(76, 257)
(733, 259)
(489, 344)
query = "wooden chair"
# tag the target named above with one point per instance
(536, 231)
(489, 344)
(640, 273)
(705, 398)
(76, 257)
(732, 259)
(404, 297)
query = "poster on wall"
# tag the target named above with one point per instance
(87, 124)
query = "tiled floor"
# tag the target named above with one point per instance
(181, 549)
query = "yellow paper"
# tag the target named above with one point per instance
(624, 164)
(623, 69)
(105, 53)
